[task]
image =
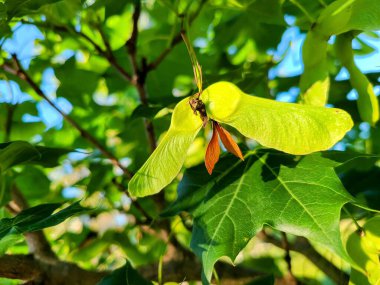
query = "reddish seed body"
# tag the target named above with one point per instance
(228, 141)
(212, 152)
(213, 148)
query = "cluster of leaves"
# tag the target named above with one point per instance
(116, 69)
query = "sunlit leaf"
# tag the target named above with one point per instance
(267, 188)
(166, 161)
(292, 128)
(346, 15)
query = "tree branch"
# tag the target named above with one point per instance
(303, 246)
(288, 259)
(131, 44)
(109, 56)
(8, 121)
(28, 268)
(37, 242)
(140, 74)
(190, 269)
(175, 40)
(18, 70)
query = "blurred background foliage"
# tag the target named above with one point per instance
(84, 57)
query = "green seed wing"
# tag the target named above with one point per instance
(292, 128)
(166, 161)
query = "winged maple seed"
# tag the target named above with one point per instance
(213, 148)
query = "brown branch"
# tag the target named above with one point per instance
(37, 242)
(290, 279)
(303, 246)
(140, 74)
(131, 44)
(23, 75)
(28, 268)
(8, 121)
(190, 269)
(67, 29)
(175, 40)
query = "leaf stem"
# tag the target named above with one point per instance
(159, 273)
(322, 2)
(358, 227)
(216, 276)
(140, 73)
(303, 10)
(175, 40)
(288, 259)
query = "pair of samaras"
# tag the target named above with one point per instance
(292, 128)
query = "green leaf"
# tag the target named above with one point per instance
(21, 152)
(5, 189)
(363, 247)
(15, 153)
(347, 15)
(49, 156)
(368, 104)
(145, 111)
(38, 218)
(166, 161)
(315, 80)
(17, 8)
(33, 183)
(125, 275)
(9, 241)
(289, 194)
(292, 128)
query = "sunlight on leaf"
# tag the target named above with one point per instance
(292, 128)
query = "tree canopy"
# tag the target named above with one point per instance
(174, 141)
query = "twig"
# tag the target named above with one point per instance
(22, 74)
(147, 219)
(140, 74)
(108, 55)
(358, 227)
(37, 242)
(131, 44)
(8, 122)
(303, 10)
(303, 246)
(67, 29)
(176, 39)
(288, 260)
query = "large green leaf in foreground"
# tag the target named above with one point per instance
(292, 128)
(302, 197)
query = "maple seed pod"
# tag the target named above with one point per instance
(213, 148)
(308, 129)
(228, 141)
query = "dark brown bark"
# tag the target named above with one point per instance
(28, 268)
